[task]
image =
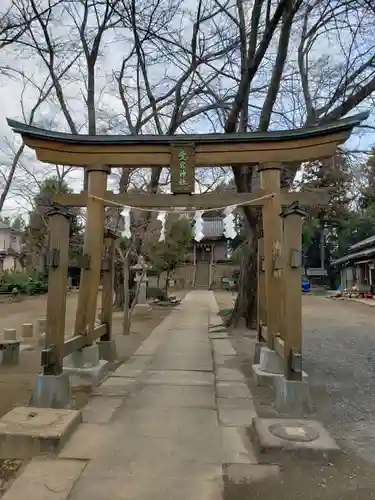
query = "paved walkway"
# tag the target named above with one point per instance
(165, 424)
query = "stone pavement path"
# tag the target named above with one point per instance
(166, 423)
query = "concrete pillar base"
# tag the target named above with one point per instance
(9, 352)
(257, 348)
(292, 396)
(268, 379)
(262, 378)
(270, 361)
(87, 376)
(88, 357)
(51, 391)
(107, 350)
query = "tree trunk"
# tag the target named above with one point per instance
(167, 283)
(125, 317)
(245, 308)
(119, 287)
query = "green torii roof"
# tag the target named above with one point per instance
(343, 125)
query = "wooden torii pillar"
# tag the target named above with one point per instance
(272, 245)
(291, 333)
(261, 292)
(93, 250)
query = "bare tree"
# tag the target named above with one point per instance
(43, 92)
(217, 65)
(283, 80)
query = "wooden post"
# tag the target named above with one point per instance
(108, 277)
(292, 323)
(93, 248)
(261, 299)
(273, 237)
(58, 262)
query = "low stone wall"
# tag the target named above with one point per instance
(183, 276)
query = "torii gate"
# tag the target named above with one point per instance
(279, 301)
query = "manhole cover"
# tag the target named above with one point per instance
(294, 432)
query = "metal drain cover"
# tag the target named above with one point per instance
(294, 432)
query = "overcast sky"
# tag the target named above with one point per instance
(13, 93)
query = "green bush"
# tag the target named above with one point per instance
(16, 282)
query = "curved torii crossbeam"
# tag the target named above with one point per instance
(209, 149)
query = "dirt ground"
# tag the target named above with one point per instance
(17, 383)
(339, 358)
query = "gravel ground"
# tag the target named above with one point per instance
(339, 357)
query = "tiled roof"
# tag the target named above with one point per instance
(364, 243)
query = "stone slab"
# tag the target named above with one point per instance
(222, 360)
(46, 479)
(143, 479)
(233, 447)
(223, 347)
(271, 447)
(237, 417)
(175, 377)
(90, 376)
(167, 433)
(185, 362)
(138, 362)
(185, 396)
(172, 423)
(100, 410)
(233, 390)
(148, 347)
(239, 403)
(249, 474)
(27, 431)
(115, 386)
(127, 371)
(87, 442)
(228, 374)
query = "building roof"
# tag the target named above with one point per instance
(368, 252)
(370, 241)
(364, 248)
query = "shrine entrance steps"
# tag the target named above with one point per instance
(202, 275)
